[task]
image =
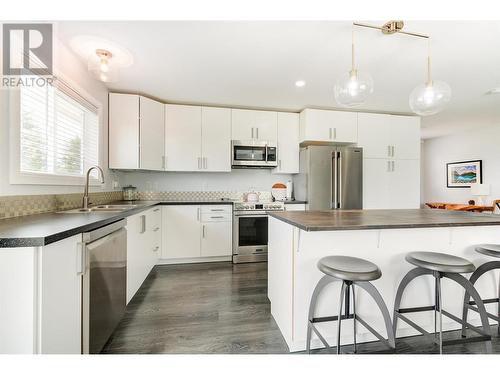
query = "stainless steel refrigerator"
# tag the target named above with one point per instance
(330, 177)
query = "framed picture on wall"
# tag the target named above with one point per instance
(465, 173)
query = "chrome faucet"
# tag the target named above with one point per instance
(85, 204)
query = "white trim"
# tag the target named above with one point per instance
(195, 260)
(16, 177)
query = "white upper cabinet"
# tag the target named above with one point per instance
(183, 137)
(123, 131)
(318, 125)
(389, 136)
(257, 125)
(216, 139)
(136, 132)
(152, 137)
(288, 143)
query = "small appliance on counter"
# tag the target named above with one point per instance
(252, 197)
(289, 190)
(129, 193)
(278, 192)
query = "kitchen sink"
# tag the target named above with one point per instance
(100, 208)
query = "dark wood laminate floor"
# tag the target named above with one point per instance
(221, 308)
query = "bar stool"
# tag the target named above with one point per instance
(351, 272)
(440, 265)
(493, 251)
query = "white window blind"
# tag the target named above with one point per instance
(59, 133)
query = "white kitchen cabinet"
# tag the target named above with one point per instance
(183, 138)
(192, 232)
(288, 143)
(216, 237)
(389, 136)
(295, 206)
(182, 231)
(216, 139)
(254, 125)
(391, 184)
(61, 288)
(143, 247)
(152, 137)
(317, 125)
(136, 132)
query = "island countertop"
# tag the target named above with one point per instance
(382, 219)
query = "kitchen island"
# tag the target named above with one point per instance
(297, 240)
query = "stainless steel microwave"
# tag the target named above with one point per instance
(254, 154)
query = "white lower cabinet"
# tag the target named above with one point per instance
(196, 231)
(143, 247)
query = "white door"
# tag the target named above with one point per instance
(216, 139)
(404, 187)
(242, 124)
(405, 136)
(137, 253)
(329, 126)
(266, 125)
(288, 143)
(152, 128)
(183, 137)
(123, 131)
(376, 180)
(60, 296)
(216, 239)
(374, 135)
(345, 126)
(181, 225)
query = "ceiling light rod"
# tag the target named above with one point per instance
(387, 29)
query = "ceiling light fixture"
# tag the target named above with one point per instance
(300, 83)
(425, 99)
(430, 97)
(494, 91)
(354, 88)
(102, 66)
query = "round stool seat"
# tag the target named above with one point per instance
(349, 268)
(440, 262)
(489, 249)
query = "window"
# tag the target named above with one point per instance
(58, 133)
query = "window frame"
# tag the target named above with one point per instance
(18, 177)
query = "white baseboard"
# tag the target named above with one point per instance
(195, 260)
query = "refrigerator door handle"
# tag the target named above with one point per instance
(339, 179)
(334, 181)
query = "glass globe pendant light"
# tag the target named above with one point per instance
(353, 88)
(431, 97)
(102, 66)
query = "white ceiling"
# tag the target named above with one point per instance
(255, 64)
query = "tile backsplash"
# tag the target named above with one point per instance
(22, 205)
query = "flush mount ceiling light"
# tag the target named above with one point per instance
(426, 99)
(104, 58)
(300, 83)
(353, 88)
(494, 91)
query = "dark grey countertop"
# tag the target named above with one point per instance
(43, 229)
(382, 219)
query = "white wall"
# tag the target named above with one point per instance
(479, 144)
(236, 180)
(74, 70)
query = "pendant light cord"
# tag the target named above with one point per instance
(353, 66)
(429, 74)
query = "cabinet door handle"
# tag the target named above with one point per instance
(205, 163)
(388, 150)
(388, 166)
(143, 224)
(163, 162)
(217, 210)
(156, 210)
(257, 132)
(330, 133)
(393, 151)
(216, 217)
(252, 133)
(198, 213)
(156, 229)
(80, 258)
(203, 231)
(393, 165)
(199, 163)
(279, 164)
(334, 133)
(156, 248)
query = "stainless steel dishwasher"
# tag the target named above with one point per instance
(104, 284)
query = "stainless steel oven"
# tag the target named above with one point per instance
(254, 154)
(250, 231)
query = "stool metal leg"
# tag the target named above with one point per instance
(354, 316)
(342, 292)
(439, 306)
(408, 278)
(481, 270)
(469, 288)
